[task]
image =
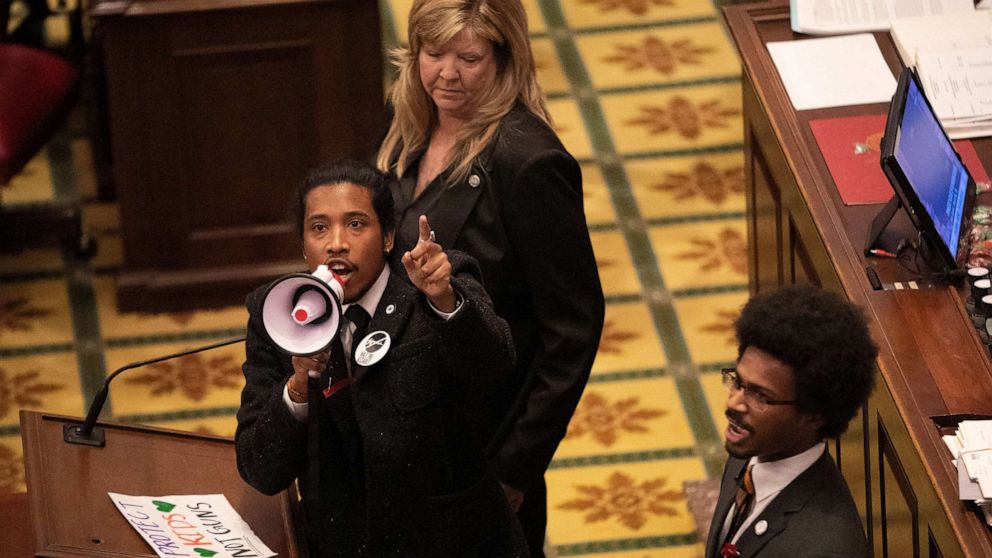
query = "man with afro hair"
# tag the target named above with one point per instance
(805, 366)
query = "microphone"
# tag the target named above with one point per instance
(87, 434)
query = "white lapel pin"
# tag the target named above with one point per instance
(474, 181)
(760, 527)
(372, 348)
(391, 308)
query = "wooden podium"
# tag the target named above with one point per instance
(72, 515)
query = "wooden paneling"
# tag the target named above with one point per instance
(899, 515)
(854, 462)
(933, 547)
(764, 199)
(217, 110)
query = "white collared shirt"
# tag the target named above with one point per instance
(770, 478)
(369, 302)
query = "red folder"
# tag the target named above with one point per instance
(850, 146)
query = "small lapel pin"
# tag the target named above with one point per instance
(474, 181)
(760, 527)
(391, 308)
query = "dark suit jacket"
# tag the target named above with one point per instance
(521, 217)
(814, 516)
(421, 485)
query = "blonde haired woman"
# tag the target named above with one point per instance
(472, 142)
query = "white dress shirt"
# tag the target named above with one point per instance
(770, 478)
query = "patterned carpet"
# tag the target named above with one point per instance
(646, 94)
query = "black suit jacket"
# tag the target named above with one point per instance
(813, 517)
(421, 486)
(520, 214)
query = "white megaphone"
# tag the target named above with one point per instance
(301, 312)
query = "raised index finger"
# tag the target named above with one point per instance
(425, 229)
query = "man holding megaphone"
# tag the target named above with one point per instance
(375, 427)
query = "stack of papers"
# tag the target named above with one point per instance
(959, 85)
(852, 16)
(971, 451)
(952, 53)
(913, 35)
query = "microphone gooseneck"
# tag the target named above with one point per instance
(75, 434)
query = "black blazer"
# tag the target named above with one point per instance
(520, 214)
(813, 517)
(422, 486)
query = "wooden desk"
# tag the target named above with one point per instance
(217, 109)
(17, 537)
(931, 361)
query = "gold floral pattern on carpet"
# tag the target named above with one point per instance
(657, 54)
(16, 314)
(11, 470)
(687, 118)
(193, 375)
(613, 337)
(22, 390)
(605, 263)
(606, 420)
(636, 7)
(729, 247)
(178, 318)
(624, 499)
(723, 323)
(705, 181)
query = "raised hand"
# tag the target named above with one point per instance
(429, 269)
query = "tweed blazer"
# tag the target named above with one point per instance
(422, 486)
(519, 212)
(813, 517)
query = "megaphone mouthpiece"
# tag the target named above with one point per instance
(311, 305)
(301, 312)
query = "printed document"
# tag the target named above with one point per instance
(853, 16)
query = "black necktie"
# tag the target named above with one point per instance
(337, 370)
(358, 316)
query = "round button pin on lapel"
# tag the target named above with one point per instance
(390, 309)
(474, 181)
(372, 348)
(760, 527)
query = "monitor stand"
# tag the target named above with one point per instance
(887, 238)
(891, 231)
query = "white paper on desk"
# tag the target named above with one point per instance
(968, 489)
(975, 434)
(978, 465)
(953, 444)
(833, 72)
(852, 16)
(958, 82)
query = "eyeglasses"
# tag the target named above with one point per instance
(754, 397)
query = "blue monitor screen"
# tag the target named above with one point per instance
(932, 167)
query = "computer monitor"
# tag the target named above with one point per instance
(927, 174)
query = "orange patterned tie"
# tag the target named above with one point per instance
(742, 501)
